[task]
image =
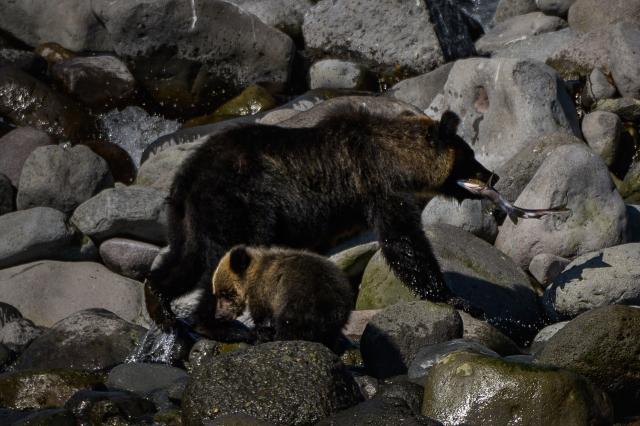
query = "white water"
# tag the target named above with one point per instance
(155, 346)
(194, 15)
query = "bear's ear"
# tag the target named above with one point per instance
(239, 259)
(448, 125)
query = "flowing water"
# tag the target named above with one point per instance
(158, 346)
(194, 14)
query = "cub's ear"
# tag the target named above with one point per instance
(448, 125)
(239, 259)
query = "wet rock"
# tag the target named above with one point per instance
(93, 339)
(626, 108)
(475, 330)
(471, 215)
(133, 129)
(285, 15)
(509, 8)
(606, 277)
(129, 258)
(602, 132)
(48, 291)
(237, 420)
(7, 196)
(101, 82)
(539, 47)
(29, 102)
(119, 161)
(496, 128)
(625, 56)
(33, 234)
(96, 407)
(583, 18)
(48, 417)
(421, 90)
(196, 52)
(300, 382)
(251, 101)
(597, 88)
(19, 333)
(517, 28)
(574, 176)
(555, 7)
(602, 345)
(62, 178)
(338, 74)
(368, 385)
(389, 33)
(544, 335)
(393, 337)
(378, 412)
(546, 267)
(53, 53)
(474, 271)
(16, 146)
(21, 59)
(400, 387)
(431, 354)
(133, 211)
(489, 391)
(31, 389)
(143, 378)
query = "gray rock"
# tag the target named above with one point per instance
(393, 337)
(159, 171)
(128, 257)
(503, 103)
(509, 8)
(421, 90)
(101, 82)
(555, 7)
(597, 87)
(389, 33)
(587, 15)
(546, 267)
(602, 132)
(539, 47)
(132, 211)
(133, 129)
(62, 178)
(34, 234)
(285, 15)
(235, 47)
(545, 334)
(606, 277)
(144, 378)
(574, 176)
(516, 29)
(16, 146)
(602, 345)
(300, 383)
(626, 108)
(485, 334)
(70, 23)
(486, 391)
(625, 57)
(93, 339)
(338, 74)
(18, 334)
(471, 215)
(7, 195)
(48, 291)
(431, 354)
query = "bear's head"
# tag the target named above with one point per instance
(464, 165)
(229, 283)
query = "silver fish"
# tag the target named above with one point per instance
(514, 212)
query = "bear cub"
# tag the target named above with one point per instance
(290, 294)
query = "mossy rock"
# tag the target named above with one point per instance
(466, 388)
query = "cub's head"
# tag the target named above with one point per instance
(229, 283)
(464, 165)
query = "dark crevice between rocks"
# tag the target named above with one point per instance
(450, 25)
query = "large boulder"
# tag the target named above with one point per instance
(292, 382)
(602, 131)
(625, 56)
(16, 146)
(94, 339)
(539, 47)
(339, 74)
(38, 233)
(605, 277)
(489, 391)
(587, 15)
(555, 7)
(471, 215)
(422, 90)
(129, 258)
(503, 103)
(509, 8)
(603, 345)
(159, 171)
(285, 15)
(48, 291)
(143, 378)
(62, 178)
(572, 175)
(417, 36)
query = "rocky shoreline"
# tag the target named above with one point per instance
(101, 102)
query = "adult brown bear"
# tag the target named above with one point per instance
(300, 187)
